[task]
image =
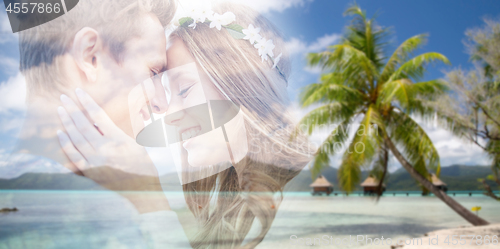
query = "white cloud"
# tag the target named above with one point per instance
(453, 150)
(313, 70)
(298, 46)
(322, 42)
(10, 124)
(295, 46)
(13, 94)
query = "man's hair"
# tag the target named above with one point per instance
(116, 21)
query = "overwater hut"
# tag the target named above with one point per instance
(321, 185)
(370, 186)
(438, 183)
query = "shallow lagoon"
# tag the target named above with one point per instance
(90, 219)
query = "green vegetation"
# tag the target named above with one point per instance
(361, 83)
(472, 109)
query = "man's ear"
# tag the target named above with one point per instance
(87, 47)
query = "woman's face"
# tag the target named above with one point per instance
(188, 119)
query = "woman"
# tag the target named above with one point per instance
(208, 61)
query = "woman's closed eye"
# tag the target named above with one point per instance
(154, 73)
(183, 92)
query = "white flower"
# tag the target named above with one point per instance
(192, 25)
(176, 23)
(216, 21)
(265, 48)
(194, 13)
(205, 13)
(228, 18)
(251, 34)
(277, 60)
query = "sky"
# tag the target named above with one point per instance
(311, 26)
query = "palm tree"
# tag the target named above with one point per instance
(384, 93)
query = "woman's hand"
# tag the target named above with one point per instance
(99, 142)
(92, 144)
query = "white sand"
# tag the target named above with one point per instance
(442, 235)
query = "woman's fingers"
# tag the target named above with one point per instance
(77, 139)
(95, 112)
(74, 156)
(85, 127)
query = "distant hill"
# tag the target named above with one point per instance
(58, 181)
(457, 177)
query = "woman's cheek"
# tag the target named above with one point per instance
(195, 97)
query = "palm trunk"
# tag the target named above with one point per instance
(457, 207)
(380, 186)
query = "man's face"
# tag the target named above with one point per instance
(144, 56)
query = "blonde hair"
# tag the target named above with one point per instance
(226, 204)
(115, 20)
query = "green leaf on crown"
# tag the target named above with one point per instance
(235, 27)
(235, 34)
(235, 31)
(185, 21)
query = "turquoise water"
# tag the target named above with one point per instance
(101, 219)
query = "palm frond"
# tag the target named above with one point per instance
(329, 90)
(401, 54)
(406, 92)
(430, 90)
(327, 114)
(396, 90)
(361, 150)
(363, 34)
(415, 67)
(355, 10)
(321, 161)
(332, 144)
(349, 175)
(416, 144)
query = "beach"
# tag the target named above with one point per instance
(301, 216)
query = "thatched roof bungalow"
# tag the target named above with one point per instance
(370, 185)
(438, 183)
(320, 185)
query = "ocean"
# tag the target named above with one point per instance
(100, 219)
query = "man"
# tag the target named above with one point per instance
(105, 48)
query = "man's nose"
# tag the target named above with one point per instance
(159, 103)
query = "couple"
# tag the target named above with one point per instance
(97, 73)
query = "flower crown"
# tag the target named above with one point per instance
(265, 47)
